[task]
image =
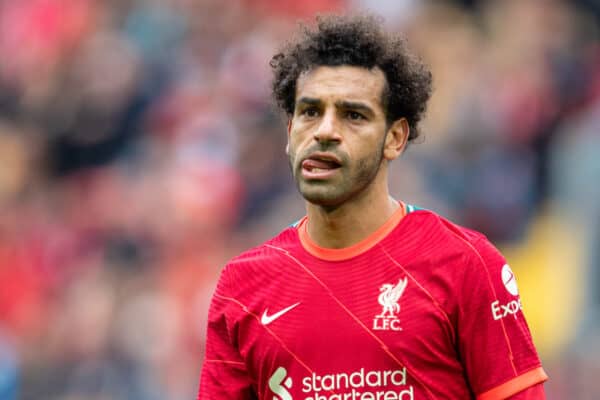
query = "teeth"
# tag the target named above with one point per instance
(319, 170)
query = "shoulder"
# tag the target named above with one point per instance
(262, 258)
(449, 237)
(433, 223)
(480, 267)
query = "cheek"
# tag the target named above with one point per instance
(368, 153)
(290, 147)
(290, 150)
(293, 144)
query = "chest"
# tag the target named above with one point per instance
(375, 314)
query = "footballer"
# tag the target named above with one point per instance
(366, 297)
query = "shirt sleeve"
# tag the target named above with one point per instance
(224, 375)
(494, 340)
(535, 392)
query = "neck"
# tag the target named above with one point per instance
(351, 222)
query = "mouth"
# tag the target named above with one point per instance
(320, 166)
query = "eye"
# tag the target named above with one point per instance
(310, 112)
(355, 116)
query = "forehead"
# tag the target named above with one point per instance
(342, 83)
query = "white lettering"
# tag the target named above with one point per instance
(381, 324)
(502, 310)
(376, 326)
(376, 382)
(339, 379)
(402, 373)
(363, 384)
(407, 392)
(386, 375)
(306, 385)
(316, 387)
(496, 310)
(386, 324)
(327, 382)
(361, 378)
(390, 396)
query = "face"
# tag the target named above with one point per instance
(337, 135)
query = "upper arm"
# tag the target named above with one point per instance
(224, 374)
(494, 340)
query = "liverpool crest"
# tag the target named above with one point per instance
(388, 299)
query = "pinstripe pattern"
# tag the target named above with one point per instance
(453, 276)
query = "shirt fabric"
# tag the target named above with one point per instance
(421, 309)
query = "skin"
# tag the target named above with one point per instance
(348, 204)
(339, 115)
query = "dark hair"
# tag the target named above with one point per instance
(356, 41)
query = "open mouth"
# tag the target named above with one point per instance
(320, 166)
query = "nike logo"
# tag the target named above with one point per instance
(266, 319)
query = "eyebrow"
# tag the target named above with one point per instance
(309, 100)
(344, 104)
(353, 105)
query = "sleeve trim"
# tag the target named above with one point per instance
(515, 385)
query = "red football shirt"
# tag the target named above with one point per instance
(422, 309)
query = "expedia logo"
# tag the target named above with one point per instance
(500, 311)
(509, 280)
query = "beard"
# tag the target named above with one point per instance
(353, 178)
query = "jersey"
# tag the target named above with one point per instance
(421, 309)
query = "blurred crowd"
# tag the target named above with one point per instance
(139, 150)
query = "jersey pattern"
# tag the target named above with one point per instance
(423, 309)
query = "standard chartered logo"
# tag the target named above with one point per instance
(279, 384)
(358, 385)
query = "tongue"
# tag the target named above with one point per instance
(310, 164)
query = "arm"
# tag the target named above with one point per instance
(224, 374)
(494, 340)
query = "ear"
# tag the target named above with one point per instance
(396, 139)
(289, 131)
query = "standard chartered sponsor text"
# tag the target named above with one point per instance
(359, 385)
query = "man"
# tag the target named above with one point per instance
(365, 297)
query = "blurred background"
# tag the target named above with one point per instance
(139, 150)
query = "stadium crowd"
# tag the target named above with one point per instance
(139, 150)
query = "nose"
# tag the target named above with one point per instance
(328, 129)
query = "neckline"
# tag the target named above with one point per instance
(345, 253)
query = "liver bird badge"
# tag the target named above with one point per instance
(389, 297)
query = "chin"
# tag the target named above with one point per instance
(323, 199)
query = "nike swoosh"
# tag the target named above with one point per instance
(267, 319)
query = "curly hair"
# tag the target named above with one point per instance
(356, 41)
